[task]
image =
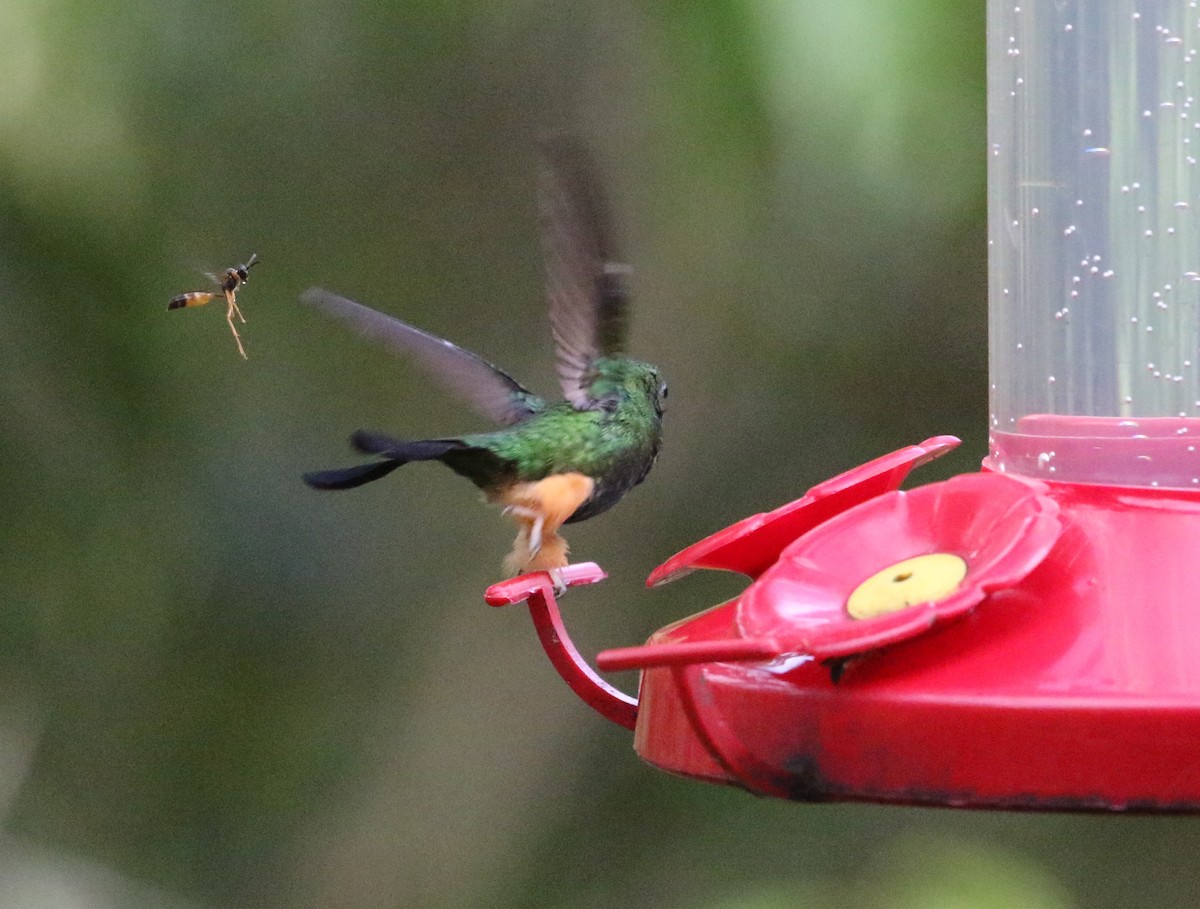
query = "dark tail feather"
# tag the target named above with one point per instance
(350, 477)
(373, 442)
(395, 451)
(377, 443)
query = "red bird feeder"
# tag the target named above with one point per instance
(1024, 637)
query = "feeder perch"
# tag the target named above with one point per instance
(1023, 637)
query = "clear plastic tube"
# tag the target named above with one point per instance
(1094, 239)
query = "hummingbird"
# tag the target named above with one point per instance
(549, 463)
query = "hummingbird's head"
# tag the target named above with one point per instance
(655, 388)
(622, 384)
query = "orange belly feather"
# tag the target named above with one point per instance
(549, 501)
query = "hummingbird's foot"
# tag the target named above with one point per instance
(551, 556)
(535, 535)
(539, 509)
(536, 522)
(559, 582)
(521, 511)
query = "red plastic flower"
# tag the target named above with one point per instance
(753, 544)
(896, 565)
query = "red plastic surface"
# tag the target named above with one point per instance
(1078, 687)
(753, 544)
(537, 590)
(1001, 527)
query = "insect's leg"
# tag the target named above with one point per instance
(233, 328)
(231, 296)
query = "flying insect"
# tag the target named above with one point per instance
(228, 283)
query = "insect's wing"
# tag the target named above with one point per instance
(491, 391)
(585, 279)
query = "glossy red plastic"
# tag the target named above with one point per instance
(1076, 687)
(1002, 528)
(537, 591)
(753, 544)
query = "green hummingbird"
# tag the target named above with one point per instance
(552, 463)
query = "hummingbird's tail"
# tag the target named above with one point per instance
(350, 477)
(395, 452)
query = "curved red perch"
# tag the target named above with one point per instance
(537, 590)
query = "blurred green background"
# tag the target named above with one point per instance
(221, 689)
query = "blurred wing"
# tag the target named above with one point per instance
(585, 282)
(491, 391)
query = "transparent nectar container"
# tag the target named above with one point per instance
(1094, 240)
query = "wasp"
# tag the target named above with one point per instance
(228, 282)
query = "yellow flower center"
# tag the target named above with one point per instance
(918, 580)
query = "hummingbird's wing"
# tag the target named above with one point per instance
(490, 390)
(585, 281)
